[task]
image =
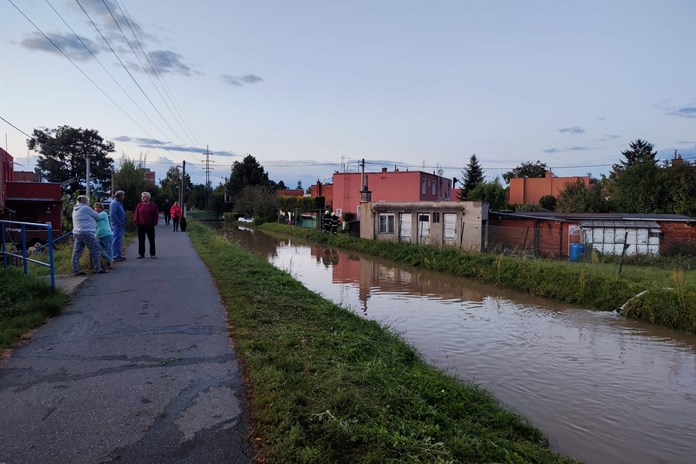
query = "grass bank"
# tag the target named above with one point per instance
(25, 303)
(328, 386)
(593, 285)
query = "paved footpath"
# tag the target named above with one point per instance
(138, 369)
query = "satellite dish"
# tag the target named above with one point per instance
(440, 172)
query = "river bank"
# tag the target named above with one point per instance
(667, 297)
(328, 386)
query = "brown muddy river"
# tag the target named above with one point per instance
(602, 388)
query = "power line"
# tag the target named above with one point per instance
(76, 66)
(17, 128)
(106, 70)
(127, 71)
(137, 57)
(141, 43)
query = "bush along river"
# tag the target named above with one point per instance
(601, 387)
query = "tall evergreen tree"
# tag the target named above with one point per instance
(472, 176)
(634, 184)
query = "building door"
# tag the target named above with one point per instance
(423, 228)
(405, 227)
(450, 225)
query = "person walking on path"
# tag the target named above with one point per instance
(117, 216)
(176, 215)
(104, 234)
(84, 228)
(166, 211)
(146, 218)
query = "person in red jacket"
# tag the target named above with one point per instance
(146, 217)
(176, 215)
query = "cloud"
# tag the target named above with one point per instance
(572, 130)
(69, 43)
(138, 140)
(686, 112)
(240, 80)
(559, 150)
(162, 145)
(167, 61)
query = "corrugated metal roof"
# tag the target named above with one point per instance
(620, 224)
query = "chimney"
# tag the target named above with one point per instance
(384, 169)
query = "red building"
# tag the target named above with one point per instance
(290, 193)
(528, 191)
(37, 202)
(551, 235)
(387, 186)
(6, 175)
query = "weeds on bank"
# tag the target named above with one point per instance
(25, 303)
(328, 386)
(593, 285)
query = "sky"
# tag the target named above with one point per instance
(310, 87)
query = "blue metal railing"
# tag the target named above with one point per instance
(24, 256)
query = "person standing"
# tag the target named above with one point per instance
(117, 216)
(176, 215)
(334, 223)
(166, 211)
(146, 218)
(105, 236)
(84, 227)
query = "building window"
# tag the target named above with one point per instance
(436, 217)
(386, 223)
(434, 188)
(423, 187)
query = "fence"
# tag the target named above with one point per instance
(546, 242)
(20, 233)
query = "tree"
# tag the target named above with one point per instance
(679, 179)
(281, 185)
(527, 169)
(634, 184)
(64, 152)
(259, 202)
(472, 175)
(171, 184)
(548, 202)
(492, 192)
(248, 172)
(130, 177)
(579, 198)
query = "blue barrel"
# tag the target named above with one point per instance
(576, 251)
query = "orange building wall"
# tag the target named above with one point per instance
(322, 190)
(528, 191)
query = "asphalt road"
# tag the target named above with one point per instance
(138, 369)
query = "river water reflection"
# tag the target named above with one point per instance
(604, 389)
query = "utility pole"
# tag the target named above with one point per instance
(87, 176)
(181, 190)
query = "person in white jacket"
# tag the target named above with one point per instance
(84, 232)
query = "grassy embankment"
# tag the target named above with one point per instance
(328, 386)
(670, 299)
(25, 302)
